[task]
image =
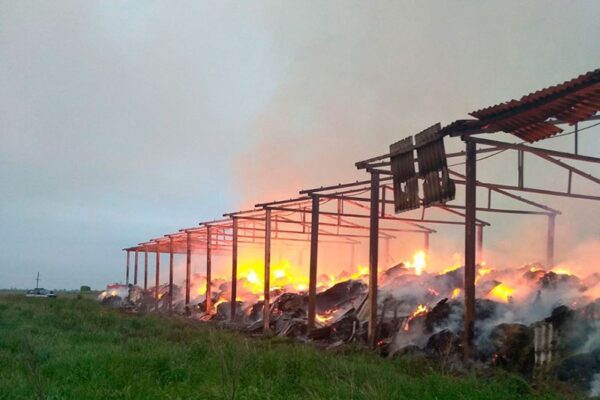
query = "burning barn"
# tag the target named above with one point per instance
(531, 318)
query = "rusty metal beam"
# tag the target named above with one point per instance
(388, 216)
(267, 281)
(135, 270)
(432, 221)
(570, 168)
(448, 155)
(296, 200)
(502, 210)
(470, 250)
(373, 259)
(353, 199)
(171, 255)
(535, 150)
(314, 258)
(208, 270)
(188, 270)
(127, 269)
(497, 187)
(494, 188)
(338, 186)
(234, 265)
(157, 278)
(145, 268)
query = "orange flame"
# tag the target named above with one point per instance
(421, 309)
(418, 263)
(323, 318)
(502, 292)
(455, 265)
(220, 301)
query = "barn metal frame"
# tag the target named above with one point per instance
(533, 117)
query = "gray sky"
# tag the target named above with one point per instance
(121, 121)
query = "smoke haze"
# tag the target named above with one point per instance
(122, 121)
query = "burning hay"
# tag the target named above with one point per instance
(419, 313)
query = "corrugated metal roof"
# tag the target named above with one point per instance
(571, 101)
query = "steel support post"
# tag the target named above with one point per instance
(521, 168)
(145, 268)
(208, 270)
(550, 241)
(470, 250)
(373, 257)
(267, 291)
(157, 277)
(135, 269)
(171, 259)
(234, 262)
(127, 269)
(314, 257)
(188, 269)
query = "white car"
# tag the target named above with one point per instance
(40, 292)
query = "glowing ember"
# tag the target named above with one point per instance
(433, 292)
(502, 292)
(323, 318)
(484, 271)
(220, 301)
(421, 309)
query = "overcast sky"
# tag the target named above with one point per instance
(124, 120)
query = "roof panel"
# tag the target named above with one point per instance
(571, 101)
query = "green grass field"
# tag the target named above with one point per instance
(73, 348)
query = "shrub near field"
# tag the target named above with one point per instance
(73, 348)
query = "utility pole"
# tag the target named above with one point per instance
(37, 281)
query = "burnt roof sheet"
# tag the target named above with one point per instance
(571, 102)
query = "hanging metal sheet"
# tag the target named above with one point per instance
(406, 187)
(433, 167)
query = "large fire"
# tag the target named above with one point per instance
(416, 305)
(288, 277)
(413, 281)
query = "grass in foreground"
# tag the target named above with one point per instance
(70, 348)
